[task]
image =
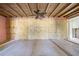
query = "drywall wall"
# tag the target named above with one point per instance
(2, 29)
(31, 28)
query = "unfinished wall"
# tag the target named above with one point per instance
(3, 31)
(61, 28)
(31, 28)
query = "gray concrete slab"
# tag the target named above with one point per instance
(31, 48)
(69, 47)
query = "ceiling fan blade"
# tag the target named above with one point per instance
(39, 14)
(37, 11)
(43, 13)
(37, 17)
(42, 16)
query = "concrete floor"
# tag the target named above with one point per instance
(31, 48)
(37, 48)
(69, 47)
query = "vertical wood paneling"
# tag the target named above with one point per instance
(3, 32)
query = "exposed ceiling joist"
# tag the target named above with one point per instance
(42, 6)
(37, 7)
(32, 7)
(5, 7)
(27, 9)
(19, 10)
(5, 15)
(72, 14)
(51, 7)
(67, 8)
(11, 10)
(5, 12)
(58, 9)
(15, 8)
(73, 10)
(77, 14)
(46, 6)
(22, 10)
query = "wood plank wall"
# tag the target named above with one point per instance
(4, 30)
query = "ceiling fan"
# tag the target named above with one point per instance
(39, 14)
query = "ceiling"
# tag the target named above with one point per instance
(67, 10)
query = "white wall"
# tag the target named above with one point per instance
(73, 23)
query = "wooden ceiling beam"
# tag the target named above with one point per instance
(28, 5)
(33, 7)
(5, 8)
(72, 13)
(22, 9)
(5, 12)
(25, 8)
(73, 10)
(67, 8)
(50, 8)
(12, 10)
(58, 9)
(75, 15)
(42, 6)
(14, 7)
(46, 6)
(37, 7)
(61, 9)
(19, 10)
